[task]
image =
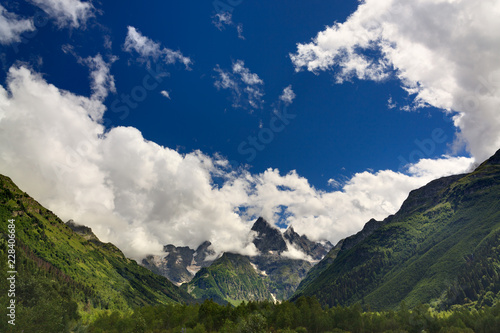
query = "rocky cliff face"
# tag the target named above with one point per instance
(180, 264)
(268, 240)
(313, 249)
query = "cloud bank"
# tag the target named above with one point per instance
(131, 191)
(445, 53)
(141, 196)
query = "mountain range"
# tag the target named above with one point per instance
(273, 274)
(442, 248)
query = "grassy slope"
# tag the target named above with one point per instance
(422, 251)
(103, 277)
(231, 278)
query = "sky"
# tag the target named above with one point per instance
(179, 122)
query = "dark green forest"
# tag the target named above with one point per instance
(303, 315)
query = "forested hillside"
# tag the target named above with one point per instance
(62, 274)
(442, 248)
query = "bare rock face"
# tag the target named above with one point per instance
(268, 239)
(313, 249)
(180, 264)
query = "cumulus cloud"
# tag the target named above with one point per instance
(445, 53)
(131, 191)
(245, 86)
(11, 27)
(141, 196)
(149, 50)
(340, 213)
(67, 13)
(288, 95)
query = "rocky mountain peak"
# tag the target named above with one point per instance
(180, 263)
(261, 225)
(315, 250)
(290, 232)
(203, 251)
(268, 239)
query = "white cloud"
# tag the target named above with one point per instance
(288, 95)
(220, 20)
(71, 13)
(391, 104)
(293, 252)
(165, 93)
(247, 77)
(148, 49)
(102, 82)
(245, 86)
(131, 191)
(11, 27)
(340, 213)
(141, 196)
(334, 183)
(223, 19)
(444, 52)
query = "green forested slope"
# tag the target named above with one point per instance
(441, 247)
(231, 278)
(57, 263)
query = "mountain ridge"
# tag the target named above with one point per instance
(108, 279)
(416, 254)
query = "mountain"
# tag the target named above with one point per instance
(315, 250)
(342, 245)
(231, 278)
(271, 275)
(282, 271)
(66, 264)
(281, 274)
(442, 247)
(268, 239)
(180, 264)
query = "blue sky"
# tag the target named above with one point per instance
(305, 105)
